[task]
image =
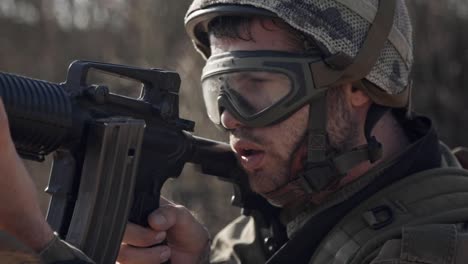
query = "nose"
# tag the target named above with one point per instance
(228, 121)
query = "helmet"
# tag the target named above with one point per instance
(366, 42)
(337, 25)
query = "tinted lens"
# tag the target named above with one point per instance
(248, 92)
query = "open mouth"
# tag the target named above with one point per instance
(250, 156)
(249, 152)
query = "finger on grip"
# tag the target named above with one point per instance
(134, 255)
(139, 236)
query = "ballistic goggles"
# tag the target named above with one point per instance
(259, 88)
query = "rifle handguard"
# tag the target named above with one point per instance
(40, 114)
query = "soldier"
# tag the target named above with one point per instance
(315, 97)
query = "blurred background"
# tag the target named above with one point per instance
(39, 38)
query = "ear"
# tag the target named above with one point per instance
(356, 97)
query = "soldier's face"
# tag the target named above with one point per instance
(270, 155)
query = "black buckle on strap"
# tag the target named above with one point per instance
(379, 217)
(317, 176)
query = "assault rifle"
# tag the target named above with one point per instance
(112, 154)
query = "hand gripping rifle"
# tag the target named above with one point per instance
(112, 154)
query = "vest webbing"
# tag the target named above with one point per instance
(437, 196)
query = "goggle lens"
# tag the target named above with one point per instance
(249, 92)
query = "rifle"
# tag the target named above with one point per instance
(112, 154)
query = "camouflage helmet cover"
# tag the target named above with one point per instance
(339, 26)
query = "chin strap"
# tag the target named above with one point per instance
(324, 167)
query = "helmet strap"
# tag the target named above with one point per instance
(318, 146)
(324, 166)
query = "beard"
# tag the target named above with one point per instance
(342, 126)
(280, 143)
(286, 152)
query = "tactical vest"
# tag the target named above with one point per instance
(412, 221)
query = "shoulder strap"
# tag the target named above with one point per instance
(429, 197)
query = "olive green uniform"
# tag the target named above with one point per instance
(425, 186)
(424, 181)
